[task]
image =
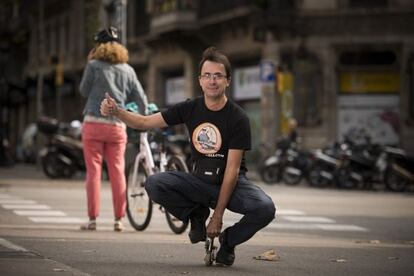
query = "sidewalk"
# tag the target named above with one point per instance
(31, 174)
(21, 173)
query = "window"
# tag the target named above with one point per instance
(368, 58)
(368, 3)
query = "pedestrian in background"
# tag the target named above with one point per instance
(105, 138)
(220, 134)
(293, 132)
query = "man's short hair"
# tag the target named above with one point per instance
(215, 55)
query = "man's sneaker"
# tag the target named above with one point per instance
(225, 255)
(90, 225)
(198, 224)
(118, 226)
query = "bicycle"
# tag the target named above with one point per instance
(139, 205)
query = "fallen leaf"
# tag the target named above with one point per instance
(269, 255)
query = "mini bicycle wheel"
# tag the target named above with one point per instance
(208, 260)
(139, 205)
(175, 163)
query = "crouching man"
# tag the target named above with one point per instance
(219, 134)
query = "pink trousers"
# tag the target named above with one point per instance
(104, 141)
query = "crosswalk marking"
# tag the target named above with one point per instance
(289, 212)
(313, 226)
(297, 219)
(26, 206)
(16, 201)
(39, 213)
(309, 219)
(56, 220)
(341, 227)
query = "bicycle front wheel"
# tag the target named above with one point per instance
(175, 163)
(139, 205)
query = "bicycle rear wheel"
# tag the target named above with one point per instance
(175, 163)
(139, 205)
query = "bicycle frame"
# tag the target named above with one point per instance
(144, 154)
(145, 158)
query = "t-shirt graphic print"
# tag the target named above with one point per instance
(207, 138)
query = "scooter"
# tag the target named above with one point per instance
(297, 166)
(399, 174)
(271, 170)
(362, 168)
(327, 164)
(62, 156)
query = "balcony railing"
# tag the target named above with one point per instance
(169, 15)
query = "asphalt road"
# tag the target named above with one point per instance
(316, 232)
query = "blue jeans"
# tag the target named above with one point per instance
(180, 193)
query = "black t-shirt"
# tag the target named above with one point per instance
(212, 133)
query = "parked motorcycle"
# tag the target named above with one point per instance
(399, 174)
(297, 166)
(271, 171)
(327, 165)
(362, 167)
(62, 156)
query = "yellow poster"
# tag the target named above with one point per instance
(285, 87)
(369, 82)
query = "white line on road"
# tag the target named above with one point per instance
(16, 201)
(5, 196)
(50, 213)
(26, 206)
(312, 226)
(12, 246)
(289, 212)
(293, 226)
(341, 227)
(309, 219)
(50, 262)
(56, 220)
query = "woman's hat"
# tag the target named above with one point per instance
(106, 35)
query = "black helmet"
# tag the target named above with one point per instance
(106, 35)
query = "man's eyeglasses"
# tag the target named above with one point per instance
(215, 76)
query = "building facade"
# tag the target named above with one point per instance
(342, 67)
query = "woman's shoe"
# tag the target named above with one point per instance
(90, 225)
(118, 226)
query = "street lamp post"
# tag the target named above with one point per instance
(117, 9)
(4, 108)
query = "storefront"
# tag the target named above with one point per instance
(369, 97)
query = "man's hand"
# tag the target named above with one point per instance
(214, 227)
(108, 106)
